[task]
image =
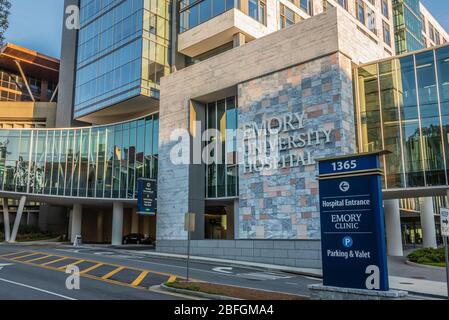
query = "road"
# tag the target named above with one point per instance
(38, 272)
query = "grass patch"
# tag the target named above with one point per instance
(230, 291)
(192, 287)
(428, 256)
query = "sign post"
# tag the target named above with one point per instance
(146, 197)
(444, 218)
(189, 226)
(352, 227)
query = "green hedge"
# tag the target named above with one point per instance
(28, 233)
(427, 256)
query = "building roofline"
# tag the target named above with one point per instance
(406, 54)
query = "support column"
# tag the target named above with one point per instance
(236, 220)
(76, 219)
(117, 223)
(32, 219)
(393, 228)
(6, 219)
(134, 221)
(428, 223)
(15, 228)
(100, 222)
(238, 40)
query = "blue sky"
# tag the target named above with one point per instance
(36, 24)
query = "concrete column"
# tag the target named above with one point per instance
(15, 228)
(428, 223)
(117, 223)
(76, 219)
(238, 40)
(100, 223)
(32, 219)
(134, 221)
(6, 219)
(393, 228)
(69, 232)
(236, 219)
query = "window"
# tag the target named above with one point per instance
(385, 9)
(222, 174)
(386, 33)
(287, 17)
(361, 11)
(306, 5)
(257, 9)
(343, 3)
(366, 15)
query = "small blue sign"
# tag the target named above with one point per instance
(347, 165)
(146, 197)
(347, 242)
(352, 223)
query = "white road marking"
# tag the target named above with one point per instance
(37, 289)
(227, 270)
(4, 265)
(263, 276)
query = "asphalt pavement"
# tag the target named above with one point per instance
(38, 272)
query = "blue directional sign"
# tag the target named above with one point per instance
(146, 196)
(352, 223)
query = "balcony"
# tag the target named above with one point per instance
(219, 31)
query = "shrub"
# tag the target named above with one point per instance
(427, 255)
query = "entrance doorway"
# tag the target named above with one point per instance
(219, 220)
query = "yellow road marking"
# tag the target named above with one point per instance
(11, 254)
(171, 279)
(72, 264)
(40, 258)
(24, 256)
(140, 278)
(53, 261)
(84, 272)
(92, 268)
(110, 274)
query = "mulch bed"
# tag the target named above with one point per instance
(235, 292)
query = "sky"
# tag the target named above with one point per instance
(37, 24)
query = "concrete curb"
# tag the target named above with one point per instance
(300, 271)
(198, 294)
(423, 265)
(26, 243)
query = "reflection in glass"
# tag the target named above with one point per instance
(414, 100)
(79, 162)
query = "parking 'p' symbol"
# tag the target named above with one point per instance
(348, 242)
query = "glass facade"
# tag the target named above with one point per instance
(94, 162)
(403, 107)
(222, 175)
(123, 51)
(408, 26)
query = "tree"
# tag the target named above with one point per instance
(5, 5)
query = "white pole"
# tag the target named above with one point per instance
(393, 228)
(117, 224)
(446, 254)
(15, 228)
(6, 220)
(428, 223)
(76, 219)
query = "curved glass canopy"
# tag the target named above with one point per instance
(90, 162)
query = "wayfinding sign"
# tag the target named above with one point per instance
(352, 223)
(444, 218)
(146, 196)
